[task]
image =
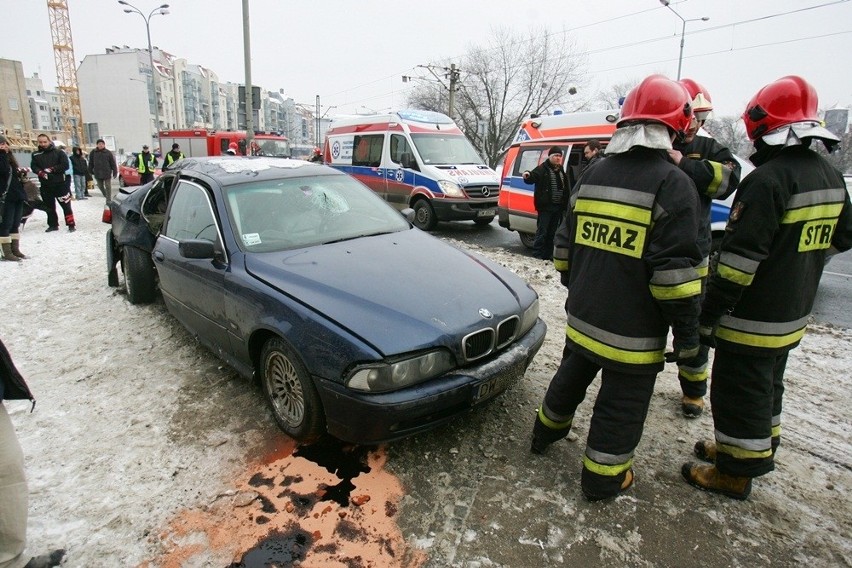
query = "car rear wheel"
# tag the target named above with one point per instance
(291, 393)
(527, 239)
(424, 215)
(138, 275)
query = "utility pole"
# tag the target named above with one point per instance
(317, 122)
(249, 89)
(454, 78)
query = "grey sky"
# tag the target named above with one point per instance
(353, 54)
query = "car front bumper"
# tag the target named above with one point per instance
(373, 418)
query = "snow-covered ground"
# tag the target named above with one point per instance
(139, 433)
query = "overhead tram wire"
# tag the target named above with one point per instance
(633, 44)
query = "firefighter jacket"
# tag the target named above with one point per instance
(146, 162)
(785, 217)
(627, 252)
(716, 175)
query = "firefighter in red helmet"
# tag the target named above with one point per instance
(788, 215)
(716, 174)
(316, 156)
(627, 250)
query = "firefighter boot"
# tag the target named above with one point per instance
(692, 407)
(544, 435)
(16, 245)
(708, 478)
(6, 245)
(627, 483)
(705, 450)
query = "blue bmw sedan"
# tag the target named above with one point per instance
(355, 322)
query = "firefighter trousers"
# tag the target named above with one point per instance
(746, 394)
(617, 420)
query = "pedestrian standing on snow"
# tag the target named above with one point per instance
(716, 174)
(550, 198)
(14, 496)
(103, 168)
(174, 155)
(79, 168)
(627, 252)
(788, 214)
(50, 163)
(12, 199)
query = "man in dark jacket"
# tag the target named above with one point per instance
(627, 252)
(550, 198)
(103, 168)
(174, 155)
(146, 164)
(592, 153)
(788, 214)
(13, 483)
(50, 163)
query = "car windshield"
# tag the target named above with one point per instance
(452, 149)
(298, 212)
(275, 148)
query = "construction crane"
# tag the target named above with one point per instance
(66, 71)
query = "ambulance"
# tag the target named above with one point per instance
(418, 159)
(571, 132)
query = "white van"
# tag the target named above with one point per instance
(418, 159)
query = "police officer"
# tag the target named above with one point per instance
(627, 251)
(146, 164)
(174, 155)
(788, 214)
(716, 174)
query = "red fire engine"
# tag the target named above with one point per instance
(200, 142)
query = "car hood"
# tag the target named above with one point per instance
(399, 292)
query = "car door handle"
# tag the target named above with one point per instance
(158, 256)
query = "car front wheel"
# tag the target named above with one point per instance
(424, 215)
(291, 393)
(528, 240)
(138, 275)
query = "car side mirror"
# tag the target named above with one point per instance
(197, 248)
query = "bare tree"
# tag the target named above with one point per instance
(503, 83)
(729, 132)
(613, 97)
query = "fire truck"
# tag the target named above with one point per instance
(201, 142)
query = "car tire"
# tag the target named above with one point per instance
(138, 272)
(483, 221)
(528, 240)
(290, 392)
(424, 215)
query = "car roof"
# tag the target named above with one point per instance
(229, 170)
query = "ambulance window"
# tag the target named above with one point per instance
(528, 159)
(368, 150)
(398, 146)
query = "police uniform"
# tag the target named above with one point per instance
(716, 174)
(786, 216)
(627, 252)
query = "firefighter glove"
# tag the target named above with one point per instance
(681, 352)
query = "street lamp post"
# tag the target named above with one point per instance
(682, 31)
(162, 11)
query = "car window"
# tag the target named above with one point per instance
(367, 150)
(191, 214)
(399, 146)
(529, 159)
(281, 214)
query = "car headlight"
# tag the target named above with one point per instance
(451, 189)
(383, 377)
(529, 317)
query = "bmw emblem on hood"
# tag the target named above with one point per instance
(485, 313)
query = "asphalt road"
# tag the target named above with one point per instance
(833, 302)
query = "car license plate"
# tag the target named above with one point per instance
(495, 385)
(485, 213)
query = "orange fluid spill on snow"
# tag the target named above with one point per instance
(280, 495)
